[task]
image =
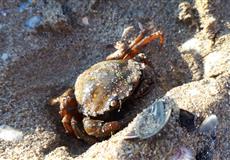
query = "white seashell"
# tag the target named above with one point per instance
(151, 120)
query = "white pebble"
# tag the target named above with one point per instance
(85, 21)
(8, 133)
(192, 44)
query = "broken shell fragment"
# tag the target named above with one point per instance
(208, 128)
(209, 125)
(151, 120)
(183, 153)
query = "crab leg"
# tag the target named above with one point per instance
(120, 53)
(66, 123)
(135, 47)
(67, 105)
(132, 52)
(66, 117)
(138, 39)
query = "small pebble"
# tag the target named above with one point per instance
(3, 12)
(24, 5)
(5, 56)
(85, 21)
(8, 133)
(33, 22)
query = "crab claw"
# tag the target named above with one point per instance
(68, 108)
(58, 100)
(80, 133)
(54, 101)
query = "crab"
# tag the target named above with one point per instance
(99, 92)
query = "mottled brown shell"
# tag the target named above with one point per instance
(104, 81)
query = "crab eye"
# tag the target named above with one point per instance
(115, 102)
(64, 99)
(68, 98)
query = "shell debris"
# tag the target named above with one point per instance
(151, 120)
(209, 125)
